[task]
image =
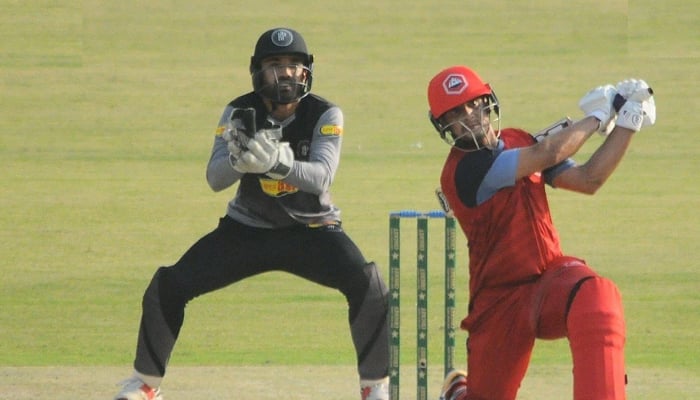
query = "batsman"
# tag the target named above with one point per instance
(522, 285)
(280, 144)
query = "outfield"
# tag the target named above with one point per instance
(106, 123)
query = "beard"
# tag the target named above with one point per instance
(475, 129)
(283, 91)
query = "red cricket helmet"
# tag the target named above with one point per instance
(454, 86)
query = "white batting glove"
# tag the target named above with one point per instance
(634, 89)
(640, 109)
(598, 103)
(635, 115)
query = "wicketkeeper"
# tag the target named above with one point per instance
(281, 145)
(522, 286)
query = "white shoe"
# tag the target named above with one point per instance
(375, 390)
(454, 386)
(134, 389)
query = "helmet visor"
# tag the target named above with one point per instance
(466, 127)
(282, 83)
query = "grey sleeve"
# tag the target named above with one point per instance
(501, 174)
(220, 174)
(316, 175)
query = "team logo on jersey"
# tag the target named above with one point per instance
(455, 84)
(282, 37)
(332, 130)
(303, 149)
(275, 188)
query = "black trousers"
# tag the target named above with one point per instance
(233, 251)
(325, 255)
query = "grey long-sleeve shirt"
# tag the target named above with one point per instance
(315, 136)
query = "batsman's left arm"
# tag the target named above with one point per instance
(635, 107)
(587, 178)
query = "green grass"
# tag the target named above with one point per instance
(107, 116)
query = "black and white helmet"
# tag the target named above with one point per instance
(278, 42)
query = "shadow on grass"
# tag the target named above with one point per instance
(299, 383)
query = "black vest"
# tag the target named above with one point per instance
(299, 134)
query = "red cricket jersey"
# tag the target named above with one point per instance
(510, 236)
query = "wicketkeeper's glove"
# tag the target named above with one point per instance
(236, 140)
(266, 155)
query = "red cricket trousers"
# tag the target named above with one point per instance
(569, 300)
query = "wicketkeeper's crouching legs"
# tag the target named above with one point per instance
(596, 332)
(163, 314)
(369, 328)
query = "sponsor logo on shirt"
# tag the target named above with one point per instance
(332, 130)
(275, 188)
